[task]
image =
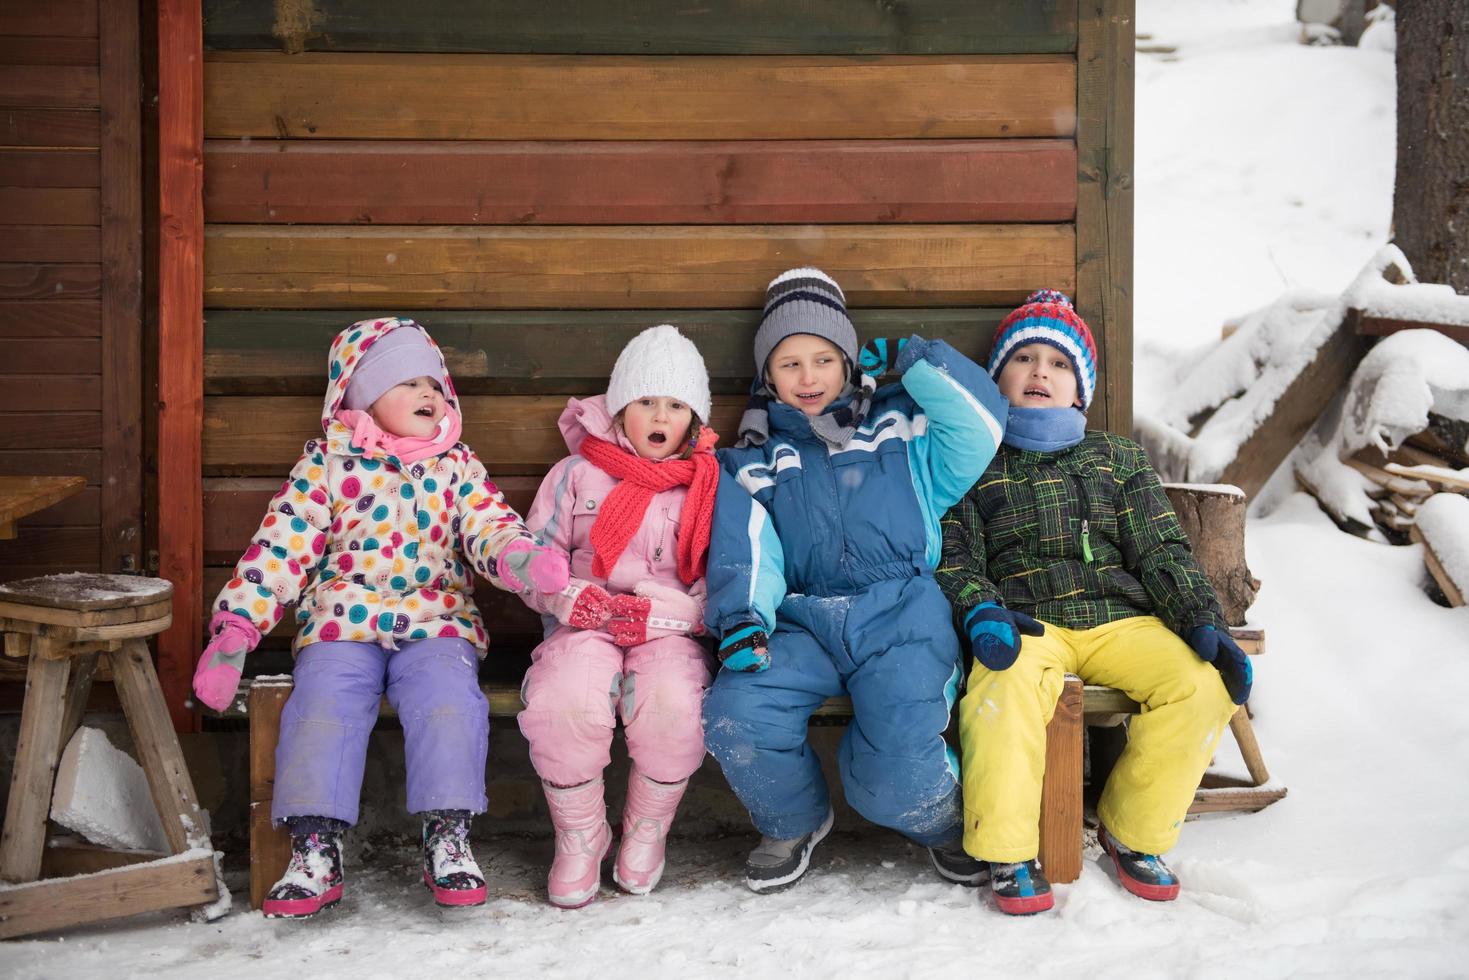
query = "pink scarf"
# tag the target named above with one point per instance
(374, 442)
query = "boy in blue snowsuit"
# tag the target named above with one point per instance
(854, 478)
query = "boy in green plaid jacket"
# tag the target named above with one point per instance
(1066, 557)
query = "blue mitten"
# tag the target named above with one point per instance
(879, 354)
(994, 633)
(1218, 648)
(745, 647)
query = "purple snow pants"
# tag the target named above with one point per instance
(433, 684)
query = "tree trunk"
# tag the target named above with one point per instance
(1214, 519)
(1431, 198)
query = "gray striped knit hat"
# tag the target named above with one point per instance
(804, 300)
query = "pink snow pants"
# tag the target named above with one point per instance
(580, 682)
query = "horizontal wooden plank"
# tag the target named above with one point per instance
(49, 86)
(651, 27)
(49, 50)
(49, 168)
(752, 182)
(50, 430)
(85, 463)
(507, 618)
(56, 282)
(70, 547)
(40, 318)
(540, 97)
(80, 510)
(50, 243)
(514, 434)
(50, 356)
(74, 18)
(50, 127)
(634, 267)
(50, 206)
(532, 351)
(22, 392)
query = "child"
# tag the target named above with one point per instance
(1073, 528)
(373, 532)
(854, 478)
(631, 509)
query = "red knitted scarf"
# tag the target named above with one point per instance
(623, 510)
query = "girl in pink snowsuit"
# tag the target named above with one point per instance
(631, 510)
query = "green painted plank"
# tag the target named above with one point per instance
(646, 26)
(530, 352)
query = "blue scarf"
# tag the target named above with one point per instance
(1045, 430)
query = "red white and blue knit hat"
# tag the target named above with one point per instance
(1049, 318)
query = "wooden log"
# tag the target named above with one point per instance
(1061, 802)
(1389, 482)
(1296, 410)
(33, 773)
(109, 894)
(1370, 325)
(1439, 528)
(652, 27)
(615, 97)
(1445, 479)
(1214, 519)
(270, 847)
(533, 351)
(626, 267)
(751, 182)
(49, 127)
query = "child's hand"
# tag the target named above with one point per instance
(523, 565)
(744, 647)
(1218, 648)
(879, 354)
(994, 633)
(652, 611)
(581, 605)
(217, 677)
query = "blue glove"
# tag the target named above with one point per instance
(994, 633)
(1218, 648)
(879, 353)
(745, 647)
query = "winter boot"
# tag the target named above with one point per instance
(583, 838)
(1145, 875)
(954, 864)
(645, 821)
(778, 864)
(1020, 889)
(449, 868)
(313, 880)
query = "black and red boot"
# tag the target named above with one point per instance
(1020, 888)
(1145, 875)
(449, 868)
(313, 880)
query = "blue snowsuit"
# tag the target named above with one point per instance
(858, 529)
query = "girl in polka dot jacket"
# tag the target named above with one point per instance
(373, 535)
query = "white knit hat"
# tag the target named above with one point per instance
(660, 361)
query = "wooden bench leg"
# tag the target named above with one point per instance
(83, 669)
(34, 775)
(158, 747)
(270, 847)
(1249, 749)
(1061, 791)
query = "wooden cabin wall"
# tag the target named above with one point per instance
(538, 182)
(70, 279)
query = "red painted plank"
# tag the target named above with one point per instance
(779, 181)
(180, 341)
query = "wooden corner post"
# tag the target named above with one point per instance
(180, 342)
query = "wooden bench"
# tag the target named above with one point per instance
(262, 700)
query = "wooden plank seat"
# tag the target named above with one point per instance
(262, 699)
(61, 625)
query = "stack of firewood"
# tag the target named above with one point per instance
(1426, 463)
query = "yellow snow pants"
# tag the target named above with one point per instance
(1002, 732)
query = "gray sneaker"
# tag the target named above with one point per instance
(778, 864)
(954, 864)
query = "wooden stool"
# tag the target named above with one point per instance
(62, 624)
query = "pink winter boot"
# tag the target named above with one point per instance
(583, 838)
(645, 822)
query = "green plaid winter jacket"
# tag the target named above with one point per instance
(1078, 538)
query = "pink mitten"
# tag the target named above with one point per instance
(581, 605)
(652, 611)
(217, 677)
(523, 565)
(629, 622)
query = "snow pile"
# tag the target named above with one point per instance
(102, 794)
(1444, 523)
(1425, 302)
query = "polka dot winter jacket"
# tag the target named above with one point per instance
(372, 550)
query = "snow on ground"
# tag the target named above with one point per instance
(1261, 164)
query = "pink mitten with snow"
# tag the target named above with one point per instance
(523, 566)
(652, 611)
(217, 677)
(581, 605)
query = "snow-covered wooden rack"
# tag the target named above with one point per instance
(61, 625)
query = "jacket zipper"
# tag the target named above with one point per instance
(1086, 513)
